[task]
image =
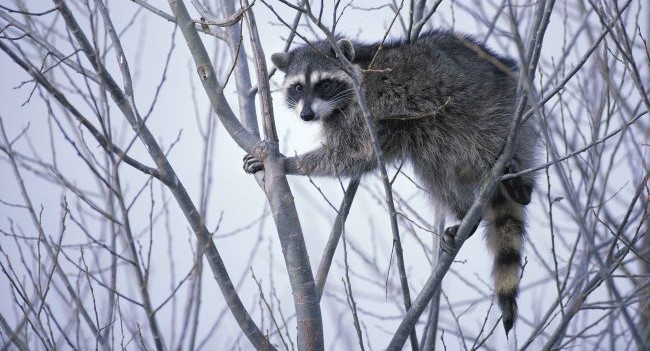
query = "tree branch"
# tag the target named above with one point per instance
(278, 193)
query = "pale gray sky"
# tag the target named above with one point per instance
(236, 199)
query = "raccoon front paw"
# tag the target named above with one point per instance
(518, 190)
(252, 165)
(448, 242)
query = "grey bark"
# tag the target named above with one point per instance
(278, 193)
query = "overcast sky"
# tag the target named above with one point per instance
(237, 201)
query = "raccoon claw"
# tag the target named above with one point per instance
(448, 242)
(518, 190)
(252, 165)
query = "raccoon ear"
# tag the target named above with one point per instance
(347, 48)
(280, 60)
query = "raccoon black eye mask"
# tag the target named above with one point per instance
(436, 103)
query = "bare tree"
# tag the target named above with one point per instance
(114, 196)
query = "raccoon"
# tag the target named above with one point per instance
(443, 103)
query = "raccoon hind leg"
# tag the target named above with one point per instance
(459, 205)
(448, 243)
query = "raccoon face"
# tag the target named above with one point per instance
(317, 95)
(314, 87)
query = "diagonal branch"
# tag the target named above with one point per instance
(335, 235)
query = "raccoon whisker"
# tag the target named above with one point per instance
(348, 91)
(340, 98)
(291, 102)
(337, 102)
(323, 108)
(341, 95)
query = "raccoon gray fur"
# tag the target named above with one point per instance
(443, 103)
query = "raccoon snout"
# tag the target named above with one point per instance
(307, 114)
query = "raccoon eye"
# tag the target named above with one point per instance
(325, 84)
(298, 87)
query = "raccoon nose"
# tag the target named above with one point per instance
(307, 114)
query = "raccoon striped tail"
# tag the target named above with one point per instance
(505, 237)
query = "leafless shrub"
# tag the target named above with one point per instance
(114, 197)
